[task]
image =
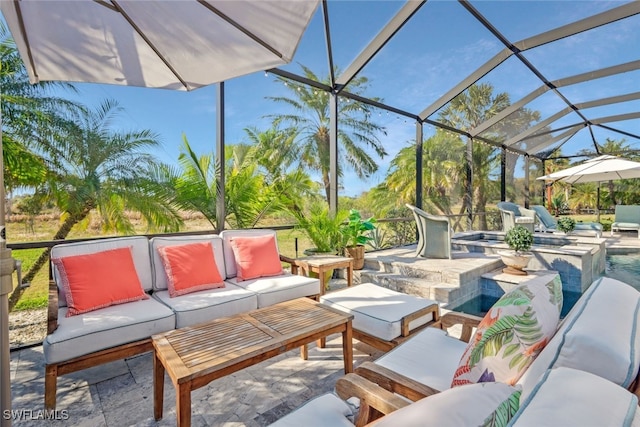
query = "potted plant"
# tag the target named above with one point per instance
(519, 240)
(356, 233)
(566, 224)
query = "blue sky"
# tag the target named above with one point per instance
(433, 52)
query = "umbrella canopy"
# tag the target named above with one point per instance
(173, 44)
(603, 168)
(177, 44)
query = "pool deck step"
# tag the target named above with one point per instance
(444, 280)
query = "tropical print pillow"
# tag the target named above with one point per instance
(512, 334)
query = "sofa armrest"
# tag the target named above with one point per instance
(394, 382)
(294, 263)
(374, 400)
(52, 312)
(468, 322)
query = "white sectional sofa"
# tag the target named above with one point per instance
(118, 331)
(590, 365)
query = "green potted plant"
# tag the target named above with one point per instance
(322, 228)
(566, 224)
(356, 233)
(519, 240)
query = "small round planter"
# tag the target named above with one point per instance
(357, 253)
(515, 262)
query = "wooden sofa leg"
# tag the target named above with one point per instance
(50, 386)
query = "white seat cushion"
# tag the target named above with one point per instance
(326, 410)
(430, 357)
(569, 397)
(275, 289)
(202, 306)
(378, 311)
(468, 405)
(105, 328)
(599, 335)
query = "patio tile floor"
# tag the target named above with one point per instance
(121, 393)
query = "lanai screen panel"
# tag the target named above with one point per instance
(429, 55)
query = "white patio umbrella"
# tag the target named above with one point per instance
(603, 168)
(171, 44)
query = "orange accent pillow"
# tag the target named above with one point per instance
(99, 280)
(256, 256)
(190, 268)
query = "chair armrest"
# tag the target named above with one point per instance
(394, 382)
(374, 400)
(468, 322)
(52, 313)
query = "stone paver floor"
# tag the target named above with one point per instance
(121, 393)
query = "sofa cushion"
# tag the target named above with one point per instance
(105, 328)
(378, 311)
(202, 306)
(272, 290)
(139, 249)
(569, 397)
(512, 333)
(430, 357)
(256, 256)
(323, 411)
(482, 404)
(229, 257)
(99, 280)
(157, 268)
(603, 324)
(190, 268)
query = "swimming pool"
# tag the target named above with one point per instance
(479, 305)
(624, 267)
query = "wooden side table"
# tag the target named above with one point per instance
(320, 264)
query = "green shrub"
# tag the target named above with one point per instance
(519, 239)
(566, 224)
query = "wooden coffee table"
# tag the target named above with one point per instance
(196, 355)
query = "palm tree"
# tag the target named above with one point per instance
(310, 118)
(468, 110)
(93, 168)
(29, 117)
(258, 179)
(442, 166)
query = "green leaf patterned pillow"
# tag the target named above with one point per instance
(512, 333)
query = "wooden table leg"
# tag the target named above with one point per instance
(350, 275)
(347, 348)
(183, 404)
(158, 387)
(304, 352)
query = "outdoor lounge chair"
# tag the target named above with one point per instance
(513, 215)
(549, 224)
(627, 218)
(434, 234)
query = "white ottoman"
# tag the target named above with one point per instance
(382, 317)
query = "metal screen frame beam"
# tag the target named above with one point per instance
(379, 41)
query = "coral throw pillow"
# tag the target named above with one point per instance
(190, 268)
(512, 334)
(99, 280)
(256, 256)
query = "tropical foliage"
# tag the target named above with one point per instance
(95, 169)
(358, 135)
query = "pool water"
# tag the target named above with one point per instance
(624, 267)
(479, 305)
